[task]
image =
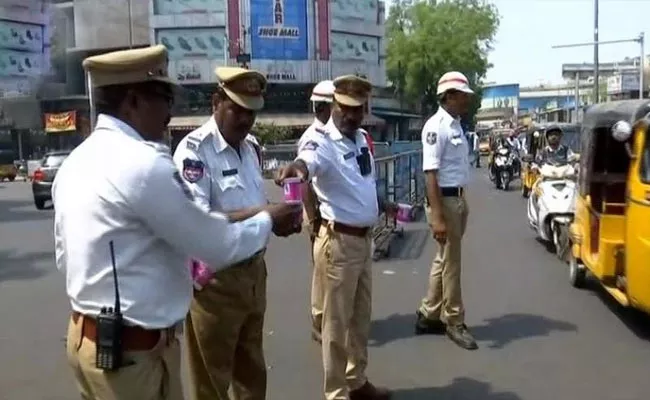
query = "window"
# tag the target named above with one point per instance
(54, 160)
(645, 161)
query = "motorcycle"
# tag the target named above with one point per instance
(502, 171)
(551, 206)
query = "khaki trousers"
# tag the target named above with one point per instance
(344, 263)
(444, 299)
(152, 375)
(224, 335)
(316, 286)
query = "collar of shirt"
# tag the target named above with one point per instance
(220, 143)
(335, 134)
(317, 123)
(446, 117)
(105, 121)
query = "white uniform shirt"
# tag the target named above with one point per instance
(445, 148)
(316, 124)
(345, 195)
(217, 176)
(116, 186)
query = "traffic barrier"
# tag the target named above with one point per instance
(399, 180)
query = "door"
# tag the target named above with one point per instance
(637, 252)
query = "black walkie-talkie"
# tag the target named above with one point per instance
(109, 329)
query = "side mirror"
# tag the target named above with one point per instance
(621, 131)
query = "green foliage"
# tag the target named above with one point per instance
(269, 133)
(426, 38)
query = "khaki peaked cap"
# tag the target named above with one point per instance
(124, 67)
(352, 90)
(245, 87)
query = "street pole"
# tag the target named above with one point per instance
(577, 100)
(641, 64)
(401, 100)
(596, 62)
(130, 25)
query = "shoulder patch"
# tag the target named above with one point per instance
(193, 170)
(321, 131)
(159, 147)
(432, 138)
(310, 145)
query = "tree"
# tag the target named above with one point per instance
(269, 133)
(426, 38)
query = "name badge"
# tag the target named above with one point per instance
(229, 172)
(348, 155)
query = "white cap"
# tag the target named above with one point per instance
(453, 81)
(323, 92)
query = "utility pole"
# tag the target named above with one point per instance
(400, 88)
(130, 24)
(596, 62)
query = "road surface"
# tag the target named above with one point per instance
(539, 338)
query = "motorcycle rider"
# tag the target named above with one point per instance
(555, 153)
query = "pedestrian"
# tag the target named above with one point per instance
(321, 98)
(120, 189)
(337, 161)
(446, 167)
(220, 163)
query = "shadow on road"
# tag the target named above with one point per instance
(459, 389)
(635, 320)
(503, 330)
(18, 267)
(499, 331)
(410, 245)
(21, 210)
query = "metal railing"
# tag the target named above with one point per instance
(399, 176)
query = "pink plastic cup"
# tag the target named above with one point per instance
(201, 274)
(293, 191)
(403, 212)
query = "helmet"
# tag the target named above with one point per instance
(323, 92)
(553, 128)
(453, 81)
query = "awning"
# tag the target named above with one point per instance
(288, 120)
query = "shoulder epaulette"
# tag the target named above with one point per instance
(321, 131)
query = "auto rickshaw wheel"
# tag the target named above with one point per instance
(12, 178)
(577, 272)
(525, 191)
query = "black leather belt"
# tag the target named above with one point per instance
(452, 191)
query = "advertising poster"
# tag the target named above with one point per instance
(172, 7)
(346, 46)
(204, 43)
(501, 96)
(60, 122)
(366, 10)
(279, 29)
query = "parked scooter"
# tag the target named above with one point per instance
(503, 169)
(551, 206)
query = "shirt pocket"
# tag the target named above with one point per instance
(231, 190)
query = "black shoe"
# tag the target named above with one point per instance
(370, 392)
(425, 326)
(461, 336)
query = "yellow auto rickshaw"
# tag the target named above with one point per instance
(529, 175)
(484, 143)
(610, 235)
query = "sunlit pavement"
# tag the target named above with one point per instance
(539, 338)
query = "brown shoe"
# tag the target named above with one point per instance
(370, 392)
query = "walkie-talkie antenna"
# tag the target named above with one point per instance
(117, 290)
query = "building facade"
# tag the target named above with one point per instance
(499, 105)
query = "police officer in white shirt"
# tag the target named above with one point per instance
(338, 158)
(446, 167)
(321, 98)
(220, 162)
(120, 185)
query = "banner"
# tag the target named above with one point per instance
(61, 122)
(279, 29)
